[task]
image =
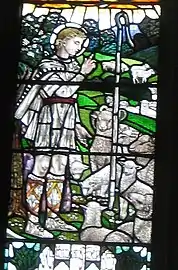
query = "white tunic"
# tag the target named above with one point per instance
(52, 125)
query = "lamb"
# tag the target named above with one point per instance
(140, 74)
(133, 194)
(137, 231)
(97, 184)
(102, 120)
(92, 229)
(128, 175)
(142, 224)
(130, 184)
(127, 179)
(77, 168)
(103, 138)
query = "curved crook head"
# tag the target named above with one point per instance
(121, 19)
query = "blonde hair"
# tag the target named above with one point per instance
(69, 33)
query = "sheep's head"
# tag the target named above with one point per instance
(102, 119)
(129, 167)
(142, 203)
(92, 211)
(152, 71)
(127, 134)
(77, 168)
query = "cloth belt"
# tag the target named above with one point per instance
(53, 100)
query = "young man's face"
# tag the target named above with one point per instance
(73, 45)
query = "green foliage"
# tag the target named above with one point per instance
(85, 174)
(56, 234)
(16, 224)
(97, 72)
(153, 79)
(72, 217)
(142, 123)
(26, 258)
(25, 143)
(126, 49)
(85, 119)
(85, 101)
(76, 189)
(125, 75)
(90, 93)
(106, 74)
(105, 222)
(22, 69)
(81, 147)
(133, 103)
(71, 236)
(102, 57)
(100, 100)
(131, 62)
(28, 236)
(108, 220)
(77, 225)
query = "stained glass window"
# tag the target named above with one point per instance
(82, 174)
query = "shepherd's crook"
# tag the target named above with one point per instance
(122, 21)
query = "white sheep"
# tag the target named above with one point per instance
(127, 134)
(145, 144)
(102, 121)
(130, 184)
(103, 137)
(136, 194)
(97, 184)
(140, 229)
(126, 180)
(77, 168)
(140, 74)
(138, 188)
(128, 174)
(92, 229)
